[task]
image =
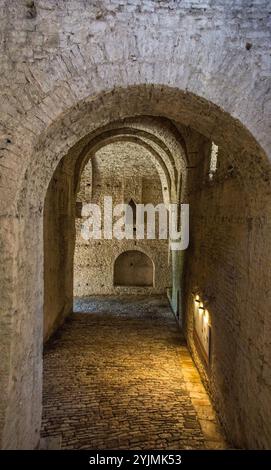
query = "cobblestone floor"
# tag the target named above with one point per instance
(117, 375)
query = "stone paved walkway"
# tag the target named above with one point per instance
(120, 377)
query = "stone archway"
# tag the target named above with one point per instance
(22, 238)
(62, 84)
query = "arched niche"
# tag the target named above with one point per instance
(134, 269)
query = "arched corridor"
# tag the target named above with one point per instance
(157, 103)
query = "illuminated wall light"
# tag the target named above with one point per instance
(202, 327)
(197, 300)
(206, 317)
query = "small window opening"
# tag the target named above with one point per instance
(129, 220)
(213, 161)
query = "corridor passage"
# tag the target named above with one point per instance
(118, 375)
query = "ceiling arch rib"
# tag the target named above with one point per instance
(170, 162)
(168, 187)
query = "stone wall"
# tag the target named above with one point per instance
(58, 249)
(228, 264)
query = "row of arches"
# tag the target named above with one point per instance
(166, 150)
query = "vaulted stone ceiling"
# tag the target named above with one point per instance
(125, 159)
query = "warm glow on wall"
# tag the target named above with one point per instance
(201, 309)
(202, 327)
